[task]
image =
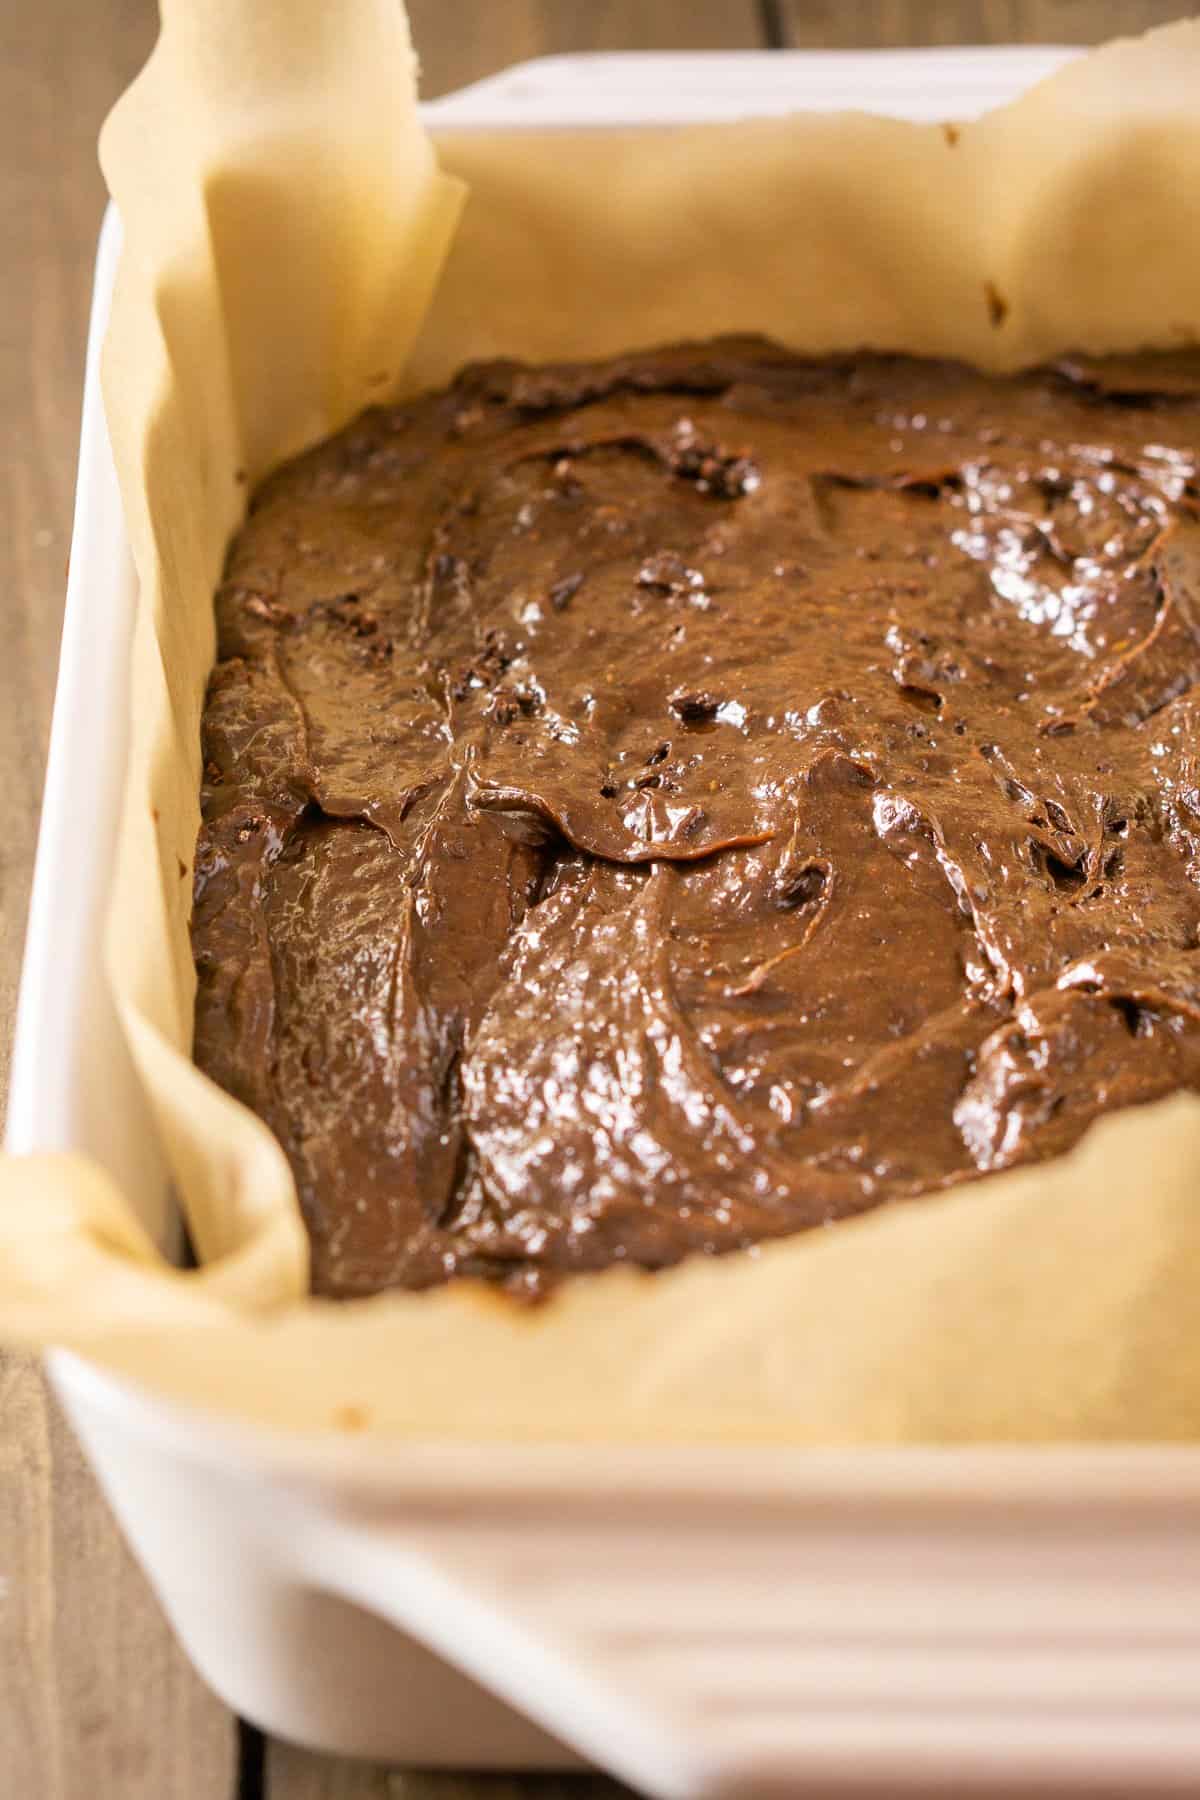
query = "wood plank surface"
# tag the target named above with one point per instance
(888, 24)
(97, 1702)
(295, 1775)
(462, 40)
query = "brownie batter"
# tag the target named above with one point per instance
(655, 806)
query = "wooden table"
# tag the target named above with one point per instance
(96, 1700)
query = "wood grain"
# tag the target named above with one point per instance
(462, 40)
(888, 24)
(96, 1700)
(295, 1775)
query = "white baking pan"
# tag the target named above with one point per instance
(703, 1622)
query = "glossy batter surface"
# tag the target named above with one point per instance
(657, 806)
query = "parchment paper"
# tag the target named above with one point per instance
(291, 253)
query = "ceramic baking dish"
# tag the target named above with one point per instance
(700, 1622)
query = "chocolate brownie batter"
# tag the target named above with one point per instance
(655, 806)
